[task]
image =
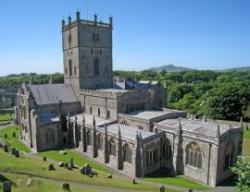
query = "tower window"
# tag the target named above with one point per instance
(95, 37)
(96, 66)
(90, 110)
(100, 51)
(99, 112)
(70, 68)
(108, 114)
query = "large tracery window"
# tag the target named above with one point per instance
(112, 147)
(127, 153)
(50, 137)
(194, 155)
(166, 150)
(228, 157)
(99, 142)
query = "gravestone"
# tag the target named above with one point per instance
(66, 187)
(6, 186)
(162, 188)
(5, 148)
(13, 151)
(71, 163)
(51, 167)
(44, 158)
(190, 190)
(109, 176)
(17, 154)
(134, 182)
(5, 136)
(61, 164)
(29, 182)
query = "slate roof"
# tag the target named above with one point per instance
(196, 126)
(47, 118)
(127, 132)
(52, 94)
(151, 114)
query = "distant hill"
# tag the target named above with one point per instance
(171, 68)
(235, 69)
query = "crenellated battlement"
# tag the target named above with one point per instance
(80, 21)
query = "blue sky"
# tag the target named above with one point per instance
(203, 34)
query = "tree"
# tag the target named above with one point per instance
(242, 170)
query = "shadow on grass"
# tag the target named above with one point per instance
(163, 173)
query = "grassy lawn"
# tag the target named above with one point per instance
(13, 142)
(247, 134)
(179, 181)
(6, 117)
(37, 184)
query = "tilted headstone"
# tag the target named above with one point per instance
(61, 164)
(6, 186)
(29, 182)
(109, 176)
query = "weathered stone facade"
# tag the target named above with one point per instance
(120, 123)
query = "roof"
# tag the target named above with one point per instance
(52, 94)
(196, 126)
(151, 114)
(47, 118)
(89, 119)
(127, 132)
(112, 90)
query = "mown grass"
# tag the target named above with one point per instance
(43, 185)
(13, 141)
(179, 181)
(6, 117)
(247, 133)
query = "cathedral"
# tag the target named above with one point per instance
(119, 122)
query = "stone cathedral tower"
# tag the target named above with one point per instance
(87, 53)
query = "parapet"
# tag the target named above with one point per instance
(80, 21)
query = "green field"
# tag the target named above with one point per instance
(6, 117)
(13, 141)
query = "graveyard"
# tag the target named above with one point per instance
(50, 170)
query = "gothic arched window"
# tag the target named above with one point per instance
(96, 66)
(99, 112)
(70, 67)
(166, 150)
(112, 147)
(75, 70)
(99, 141)
(89, 137)
(194, 155)
(228, 157)
(127, 153)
